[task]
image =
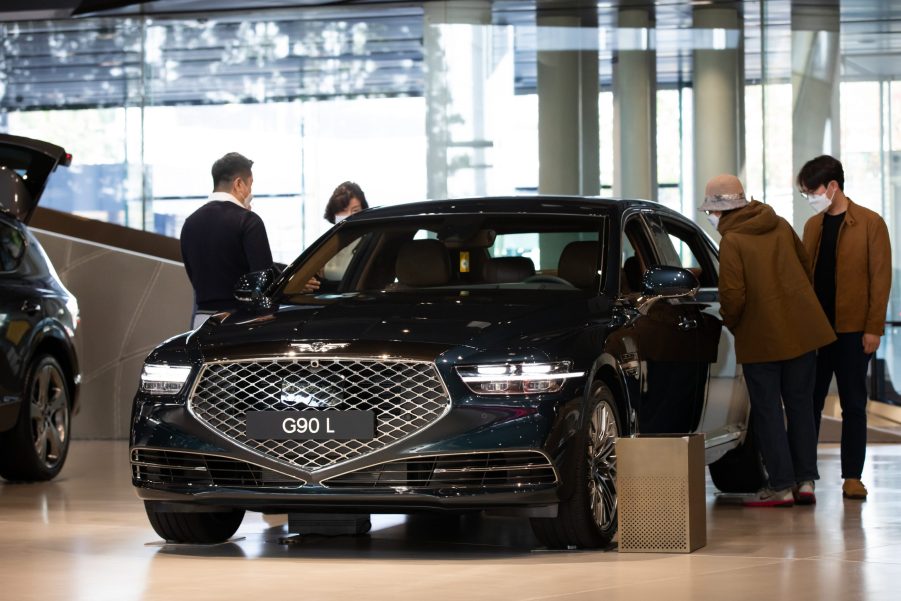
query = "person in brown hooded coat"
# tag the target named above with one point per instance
(767, 301)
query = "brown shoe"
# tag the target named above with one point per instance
(853, 488)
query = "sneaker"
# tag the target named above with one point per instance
(853, 488)
(804, 494)
(766, 497)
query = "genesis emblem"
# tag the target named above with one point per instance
(319, 347)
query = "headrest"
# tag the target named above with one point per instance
(502, 270)
(423, 263)
(578, 263)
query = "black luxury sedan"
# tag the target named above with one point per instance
(39, 375)
(480, 354)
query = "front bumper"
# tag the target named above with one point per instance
(478, 455)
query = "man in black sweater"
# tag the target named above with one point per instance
(223, 239)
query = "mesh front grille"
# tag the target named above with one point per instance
(476, 472)
(176, 468)
(406, 396)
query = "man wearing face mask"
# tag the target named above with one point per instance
(852, 262)
(768, 303)
(223, 239)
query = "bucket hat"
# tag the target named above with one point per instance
(723, 193)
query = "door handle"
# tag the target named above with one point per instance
(30, 307)
(687, 323)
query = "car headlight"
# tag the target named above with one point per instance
(164, 379)
(517, 378)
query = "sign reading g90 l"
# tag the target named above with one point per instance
(310, 425)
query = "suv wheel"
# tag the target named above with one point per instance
(205, 527)
(588, 519)
(36, 447)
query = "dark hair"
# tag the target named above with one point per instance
(820, 171)
(232, 165)
(341, 197)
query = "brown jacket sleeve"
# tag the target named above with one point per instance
(732, 283)
(879, 272)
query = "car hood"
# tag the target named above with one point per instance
(392, 320)
(25, 166)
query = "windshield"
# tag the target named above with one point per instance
(501, 252)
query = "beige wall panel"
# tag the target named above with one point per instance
(129, 303)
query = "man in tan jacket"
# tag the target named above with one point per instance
(768, 303)
(852, 265)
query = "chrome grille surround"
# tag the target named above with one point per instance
(455, 473)
(190, 468)
(407, 396)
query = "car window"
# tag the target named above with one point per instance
(636, 256)
(12, 248)
(684, 247)
(481, 251)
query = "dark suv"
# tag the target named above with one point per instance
(468, 354)
(39, 375)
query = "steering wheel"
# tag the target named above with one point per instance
(546, 279)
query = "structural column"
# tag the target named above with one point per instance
(568, 97)
(815, 91)
(635, 106)
(718, 94)
(445, 103)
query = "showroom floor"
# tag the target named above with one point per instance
(85, 537)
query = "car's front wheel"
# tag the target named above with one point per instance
(588, 519)
(205, 527)
(36, 447)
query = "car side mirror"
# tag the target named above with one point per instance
(661, 282)
(251, 288)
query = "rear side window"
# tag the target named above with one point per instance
(12, 248)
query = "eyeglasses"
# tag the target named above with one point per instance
(806, 194)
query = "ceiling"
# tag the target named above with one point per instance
(76, 53)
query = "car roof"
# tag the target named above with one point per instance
(543, 204)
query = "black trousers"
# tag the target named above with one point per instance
(790, 456)
(845, 358)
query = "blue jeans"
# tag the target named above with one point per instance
(790, 456)
(846, 359)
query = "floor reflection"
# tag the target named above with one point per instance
(85, 536)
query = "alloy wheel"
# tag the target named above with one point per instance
(602, 434)
(49, 416)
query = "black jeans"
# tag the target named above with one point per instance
(846, 359)
(790, 456)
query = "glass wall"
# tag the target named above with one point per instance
(405, 106)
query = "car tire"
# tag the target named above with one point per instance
(588, 518)
(740, 470)
(202, 528)
(35, 449)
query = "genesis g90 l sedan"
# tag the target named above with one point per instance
(480, 354)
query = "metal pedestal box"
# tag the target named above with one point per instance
(660, 482)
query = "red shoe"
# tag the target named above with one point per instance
(766, 497)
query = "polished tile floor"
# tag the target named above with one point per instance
(85, 536)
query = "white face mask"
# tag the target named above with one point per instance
(714, 220)
(819, 202)
(340, 218)
(247, 200)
